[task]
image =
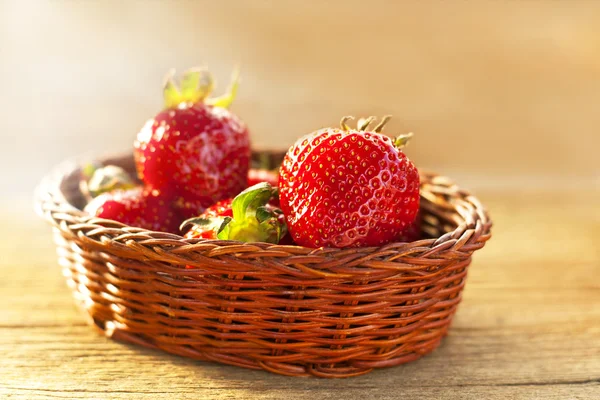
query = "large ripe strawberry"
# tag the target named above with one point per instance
(342, 187)
(247, 218)
(195, 148)
(139, 207)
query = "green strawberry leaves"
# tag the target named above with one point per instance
(195, 86)
(402, 140)
(245, 204)
(225, 100)
(253, 220)
(213, 224)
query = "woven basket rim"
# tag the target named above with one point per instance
(52, 205)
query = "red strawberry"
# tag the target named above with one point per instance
(262, 175)
(247, 218)
(195, 148)
(140, 207)
(256, 176)
(348, 187)
(188, 208)
(215, 213)
(412, 232)
(287, 240)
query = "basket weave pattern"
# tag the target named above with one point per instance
(285, 309)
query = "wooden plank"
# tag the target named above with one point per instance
(516, 356)
(527, 327)
(348, 392)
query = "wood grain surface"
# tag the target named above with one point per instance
(528, 327)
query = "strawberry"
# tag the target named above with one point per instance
(204, 225)
(247, 218)
(287, 240)
(195, 148)
(412, 232)
(140, 207)
(342, 187)
(256, 175)
(188, 207)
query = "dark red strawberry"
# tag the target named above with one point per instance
(412, 232)
(247, 218)
(195, 148)
(139, 207)
(287, 240)
(188, 208)
(348, 187)
(256, 175)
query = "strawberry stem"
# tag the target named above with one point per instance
(343, 122)
(363, 123)
(195, 86)
(171, 93)
(225, 101)
(252, 220)
(402, 140)
(382, 123)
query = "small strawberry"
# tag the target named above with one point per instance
(206, 225)
(256, 175)
(348, 187)
(247, 218)
(195, 148)
(139, 207)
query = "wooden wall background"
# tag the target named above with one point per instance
(499, 93)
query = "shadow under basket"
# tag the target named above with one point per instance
(290, 310)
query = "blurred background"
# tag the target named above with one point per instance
(499, 94)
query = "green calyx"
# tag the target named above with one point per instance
(254, 220)
(363, 124)
(402, 140)
(99, 179)
(195, 86)
(206, 224)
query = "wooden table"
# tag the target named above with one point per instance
(528, 326)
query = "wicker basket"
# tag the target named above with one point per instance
(285, 309)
